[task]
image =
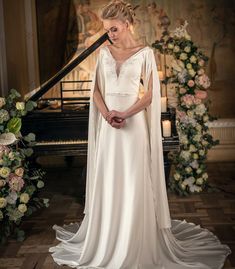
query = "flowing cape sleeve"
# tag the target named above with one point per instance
(93, 130)
(151, 78)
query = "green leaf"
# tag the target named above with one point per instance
(15, 93)
(28, 152)
(30, 137)
(30, 105)
(14, 125)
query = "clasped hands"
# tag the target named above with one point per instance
(116, 119)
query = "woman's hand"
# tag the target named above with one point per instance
(118, 124)
(114, 114)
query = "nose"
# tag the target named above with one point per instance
(111, 35)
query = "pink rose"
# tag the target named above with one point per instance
(15, 183)
(191, 83)
(200, 94)
(180, 114)
(201, 62)
(19, 171)
(188, 99)
(203, 81)
(201, 71)
(3, 150)
(182, 90)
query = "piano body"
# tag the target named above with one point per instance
(64, 131)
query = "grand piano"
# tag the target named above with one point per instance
(64, 131)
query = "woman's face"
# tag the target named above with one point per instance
(116, 29)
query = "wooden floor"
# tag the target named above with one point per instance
(215, 211)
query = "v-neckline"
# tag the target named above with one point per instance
(126, 60)
(127, 57)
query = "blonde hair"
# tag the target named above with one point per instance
(118, 9)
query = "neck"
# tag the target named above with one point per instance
(129, 42)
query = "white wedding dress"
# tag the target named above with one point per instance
(127, 223)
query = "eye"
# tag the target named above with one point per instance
(114, 29)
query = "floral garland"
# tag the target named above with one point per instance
(192, 112)
(19, 182)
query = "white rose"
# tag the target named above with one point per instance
(198, 127)
(197, 138)
(24, 198)
(182, 186)
(22, 208)
(176, 49)
(177, 176)
(192, 73)
(195, 156)
(188, 169)
(40, 184)
(2, 102)
(204, 143)
(184, 139)
(2, 182)
(190, 113)
(11, 156)
(4, 172)
(183, 56)
(20, 105)
(199, 171)
(193, 59)
(199, 181)
(3, 202)
(192, 148)
(205, 118)
(189, 66)
(205, 175)
(187, 49)
(201, 152)
(170, 46)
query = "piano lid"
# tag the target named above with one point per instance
(35, 94)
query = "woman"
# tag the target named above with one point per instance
(127, 221)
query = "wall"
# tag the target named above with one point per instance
(17, 41)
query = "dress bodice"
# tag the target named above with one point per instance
(124, 78)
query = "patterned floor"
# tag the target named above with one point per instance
(215, 211)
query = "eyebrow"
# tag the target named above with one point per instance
(109, 28)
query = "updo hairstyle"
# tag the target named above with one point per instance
(118, 9)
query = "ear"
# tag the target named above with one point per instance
(127, 24)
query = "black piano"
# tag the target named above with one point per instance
(64, 131)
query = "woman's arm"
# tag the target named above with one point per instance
(141, 104)
(99, 101)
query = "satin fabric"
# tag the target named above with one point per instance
(127, 223)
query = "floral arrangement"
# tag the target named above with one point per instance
(19, 182)
(192, 111)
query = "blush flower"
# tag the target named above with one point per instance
(200, 94)
(15, 183)
(188, 99)
(203, 81)
(191, 83)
